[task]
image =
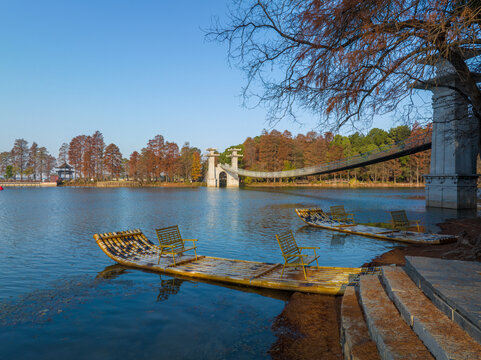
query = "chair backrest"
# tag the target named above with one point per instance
(287, 243)
(170, 235)
(399, 218)
(338, 210)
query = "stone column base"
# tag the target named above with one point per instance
(232, 180)
(211, 183)
(451, 191)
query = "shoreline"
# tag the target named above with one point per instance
(122, 184)
(336, 185)
(108, 184)
(307, 327)
(136, 184)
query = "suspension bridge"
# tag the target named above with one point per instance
(410, 146)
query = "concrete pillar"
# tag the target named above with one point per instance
(233, 178)
(452, 181)
(212, 179)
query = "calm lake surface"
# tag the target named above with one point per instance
(61, 296)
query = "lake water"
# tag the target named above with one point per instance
(61, 296)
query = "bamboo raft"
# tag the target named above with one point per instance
(132, 248)
(318, 218)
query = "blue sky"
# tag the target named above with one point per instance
(131, 69)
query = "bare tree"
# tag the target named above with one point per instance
(32, 163)
(49, 164)
(63, 154)
(5, 160)
(42, 161)
(20, 155)
(348, 60)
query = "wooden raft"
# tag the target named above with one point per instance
(318, 218)
(132, 248)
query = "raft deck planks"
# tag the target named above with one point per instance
(132, 248)
(317, 218)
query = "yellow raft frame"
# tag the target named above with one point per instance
(132, 248)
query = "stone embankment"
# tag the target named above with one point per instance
(130, 184)
(28, 184)
(428, 311)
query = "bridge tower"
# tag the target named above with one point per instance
(452, 180)
(211, 178)
(214, 173)
(233, 179)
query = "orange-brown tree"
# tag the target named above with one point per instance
(350, 59)
(196, 172)
(134, 165)
(156, 146)
(75, 153)
(251, 153)
(88, 158)
(113, 160)
(172, 156)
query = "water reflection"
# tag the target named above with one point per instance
(168, 287)
(338, 240)
(306, 229)
(111, 272)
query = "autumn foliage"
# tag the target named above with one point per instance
(276, 151)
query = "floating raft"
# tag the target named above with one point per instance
(318, 218)
(132, 248)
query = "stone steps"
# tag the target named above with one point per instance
(392, 315)
(393, 336)
(444, 338)
(355, 338)
(453, 286)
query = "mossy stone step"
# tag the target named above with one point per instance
(355, 338)
(393, 336)
(443, 337)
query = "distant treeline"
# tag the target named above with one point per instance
(275, 151)
(26, 162)
(160, 160)
(91, 159)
